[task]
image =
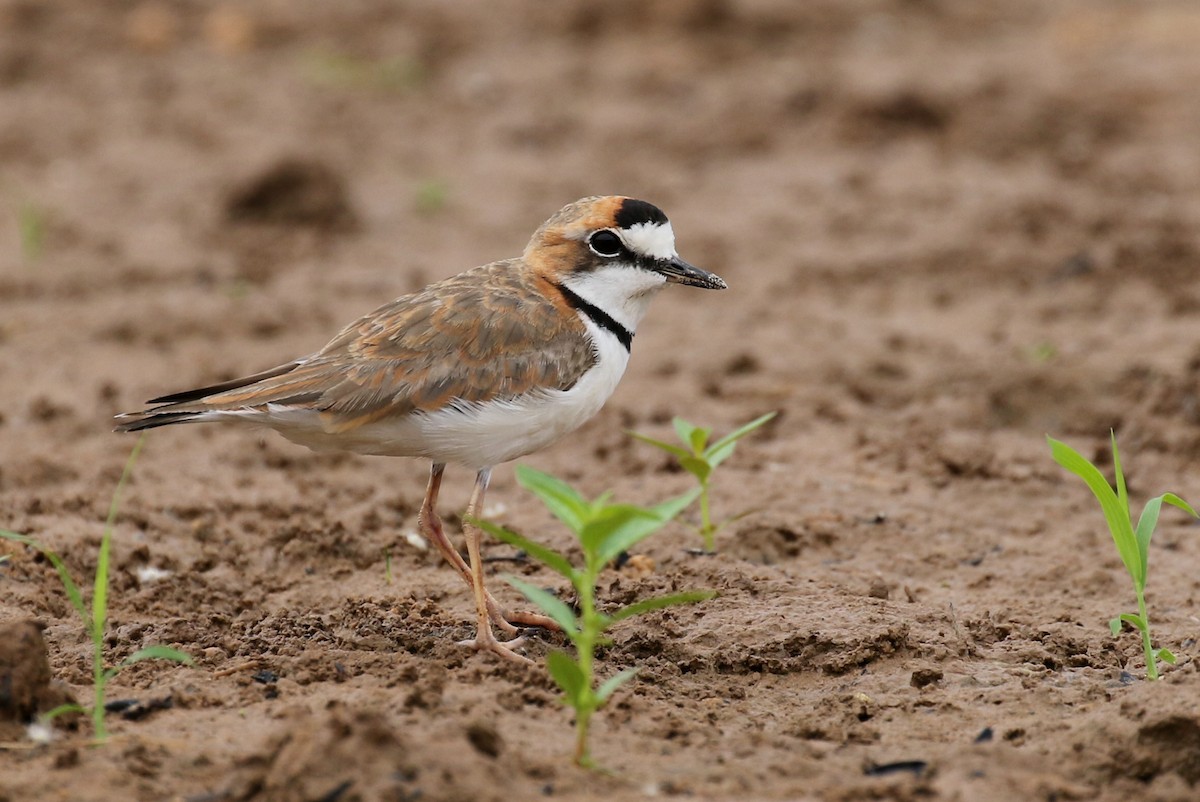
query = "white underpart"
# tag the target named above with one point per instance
(651, 239)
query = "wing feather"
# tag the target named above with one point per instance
(491, 333)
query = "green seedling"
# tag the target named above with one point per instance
(431, 197)
(1133, 542)
(700, 459)
(604, 530)
(95, 620)
(336, 69)
(31, 223)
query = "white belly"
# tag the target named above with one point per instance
(478, 435)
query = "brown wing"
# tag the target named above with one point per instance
(490, 333)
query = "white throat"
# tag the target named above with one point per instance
(623, 291)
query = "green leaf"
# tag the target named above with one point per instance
(612, 683)
(547, 557)
(1134, 621)
(617, 523)
(699, 439)
(697, 466)
(1122, 494)
(737, 517)
(739, 433)
(668, 447)
(567, 675)
(1149, 520)
(1166, 655)
(559, 497)
(1115, 514)
(684, 430)
(1176, 501)
(716, 456)
(668, 509)
(659, 602)
(100, 586)
(72, 590)
(158, 653)
(634, 528)
(1114, 624)
(1145, 529)
(61, 710)
(551, 605)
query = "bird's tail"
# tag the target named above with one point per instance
(208, 403)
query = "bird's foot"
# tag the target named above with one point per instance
(485, 641)
(510, 623)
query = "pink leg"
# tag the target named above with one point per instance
(484, 637)
(431, 527)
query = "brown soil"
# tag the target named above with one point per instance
(949, 228)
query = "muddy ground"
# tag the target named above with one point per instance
(949, 228)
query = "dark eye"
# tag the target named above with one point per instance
(605, 243)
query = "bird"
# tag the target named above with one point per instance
(474, 370)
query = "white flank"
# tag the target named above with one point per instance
(650, 239)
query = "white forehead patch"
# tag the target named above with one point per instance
(650, 239)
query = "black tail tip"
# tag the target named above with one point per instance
(152, 420)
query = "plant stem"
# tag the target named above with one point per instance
(585, 645)
(100, 598)
(706, 527)
(1147, 647)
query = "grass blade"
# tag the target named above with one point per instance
(551, 605)
(72, 590)
(1145, 529)
(158, 653)
(1176, 501)
(659, 602)
(1115, 514)
(1122, 494)
(1134, 621)
(100, 588)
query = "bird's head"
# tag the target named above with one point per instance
(621, 243)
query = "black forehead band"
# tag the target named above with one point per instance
(638, 211)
